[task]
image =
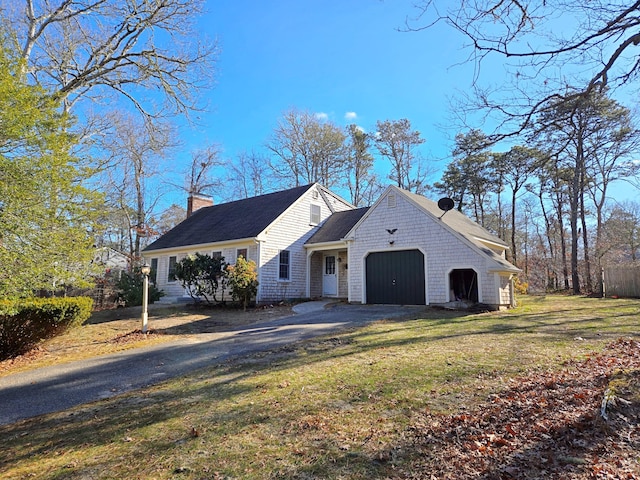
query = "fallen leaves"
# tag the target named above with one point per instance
(546, 425)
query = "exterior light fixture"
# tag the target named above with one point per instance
(145, 270)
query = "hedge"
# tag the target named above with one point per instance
(24, 323)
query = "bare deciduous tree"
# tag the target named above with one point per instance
(136, 49)
(168, 219)
(554, 51)
(621, 239)
(246, 177)
(199, 177)
(611, 150)
(134, 152)
(307, 150)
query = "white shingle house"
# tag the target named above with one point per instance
(308, 242)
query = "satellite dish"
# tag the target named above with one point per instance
(445, 204)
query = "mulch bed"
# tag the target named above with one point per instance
(578, 423)
(135, 336)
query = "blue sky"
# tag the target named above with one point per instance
(344, 59)
(336, 57)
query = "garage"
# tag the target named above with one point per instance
(396, 277)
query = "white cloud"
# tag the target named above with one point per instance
(350, 116)
(323, 117)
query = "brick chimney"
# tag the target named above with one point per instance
(196, 201)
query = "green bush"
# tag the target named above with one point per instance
(24, 323)
(130, 289)
(203, 276)
(242, 279)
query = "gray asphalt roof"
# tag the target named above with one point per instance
(337, 226)
(229, 221)
(468, 228)
(456, 220)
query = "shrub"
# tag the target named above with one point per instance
(521, 287)
(242, 279)
(130, 289)
(24, 323)
(203, 276)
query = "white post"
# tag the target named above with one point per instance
(145, 269)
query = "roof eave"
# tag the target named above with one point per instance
(326, 245)
(201, 246)
(501, 269)
(491, 242)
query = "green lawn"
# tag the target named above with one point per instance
(329, 408)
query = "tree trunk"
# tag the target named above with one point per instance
(513, 227)
(563, 253)
(501, 229)
(585, 240)
(574, 202)
(599, 248)
(552, 274)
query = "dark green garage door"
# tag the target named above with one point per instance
(396, 277)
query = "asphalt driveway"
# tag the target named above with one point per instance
(59, 387)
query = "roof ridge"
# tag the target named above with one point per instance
(256, 197)
(236, 220)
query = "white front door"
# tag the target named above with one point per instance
(330, 278)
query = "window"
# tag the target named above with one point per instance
(285, 264)
(315, 214)
(241, 252)
(330, 265)
(216, 255)
(171, 277)
(153, 276)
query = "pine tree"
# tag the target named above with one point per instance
(46, 216)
